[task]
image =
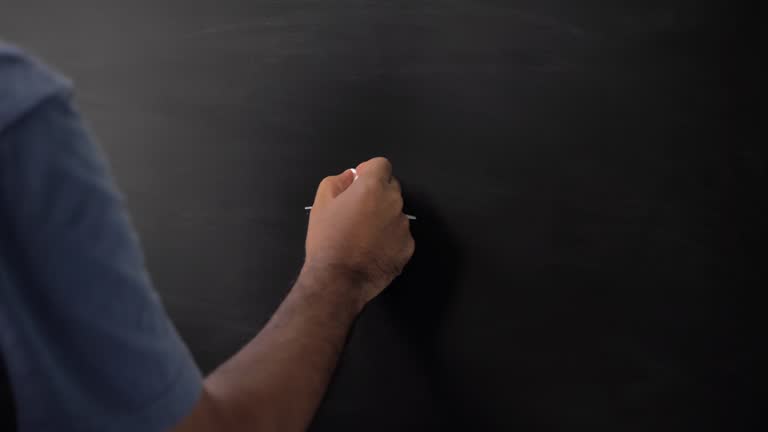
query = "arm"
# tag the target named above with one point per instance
(82, 333)
(358, 240)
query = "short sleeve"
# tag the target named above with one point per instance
(86, 341)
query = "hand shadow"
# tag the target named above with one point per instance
(419, 298)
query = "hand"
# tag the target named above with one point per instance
(357, 229)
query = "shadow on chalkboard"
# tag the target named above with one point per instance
(419, 299)
(7, 408)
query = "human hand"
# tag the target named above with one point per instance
(357, 230)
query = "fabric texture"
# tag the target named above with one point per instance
(84, 337)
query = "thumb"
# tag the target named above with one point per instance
(333, 186)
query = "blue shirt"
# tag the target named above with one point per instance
(85, 340)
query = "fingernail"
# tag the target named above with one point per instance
(354, 171)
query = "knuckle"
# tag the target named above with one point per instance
(398, 201)
(405, 222)
(383, 162)
(396, 185)
(371, 185)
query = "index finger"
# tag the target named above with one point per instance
(378, 167)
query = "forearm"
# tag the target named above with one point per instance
(358, 240)
(276, 382)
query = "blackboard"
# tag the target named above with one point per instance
(586, 192)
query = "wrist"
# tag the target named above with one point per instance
(336, 284)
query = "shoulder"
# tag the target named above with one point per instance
(24, 83)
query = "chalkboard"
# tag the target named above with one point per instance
(586, 195)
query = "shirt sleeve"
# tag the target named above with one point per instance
(88, 344)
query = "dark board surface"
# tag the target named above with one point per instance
(586, 189)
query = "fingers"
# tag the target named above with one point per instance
(410, 247)
(378, 167)
(333, 186)
(396, 185)
(409, 244)
(394, 188)
(376, 172)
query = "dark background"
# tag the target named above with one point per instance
(584, 174)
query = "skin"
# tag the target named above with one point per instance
(358, 241)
